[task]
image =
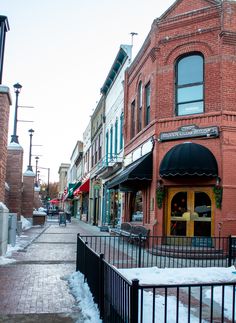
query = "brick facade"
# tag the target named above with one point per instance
(28, 194)
(14, 177)
(209, 28)
(5, 102)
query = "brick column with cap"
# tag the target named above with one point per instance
(28, 195)
(5, 102)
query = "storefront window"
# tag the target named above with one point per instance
(137, 207)
(179, 204)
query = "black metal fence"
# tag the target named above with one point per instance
(165, 252)
(120, 300)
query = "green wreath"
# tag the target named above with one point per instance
(160, 194)
(218, 191)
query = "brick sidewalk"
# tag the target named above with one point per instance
(33, 288)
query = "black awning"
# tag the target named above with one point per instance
(140, 170)
(189, 159)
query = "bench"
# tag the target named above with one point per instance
(124, 230)
(132, 232)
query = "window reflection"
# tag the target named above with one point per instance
(179, 204)
(137, 206)
(190, 85)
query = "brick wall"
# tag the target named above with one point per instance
(28, 194)
(5, 103)
(14, 177)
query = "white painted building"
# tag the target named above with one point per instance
(113, 90)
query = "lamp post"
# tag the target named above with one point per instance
(48, 190)
(31, 131)
(36, 170)
(17, 89)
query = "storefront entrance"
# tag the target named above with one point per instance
(190, 212)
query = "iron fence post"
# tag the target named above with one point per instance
(139, 250)
(77, 253)
(134, 301)
(101, 286)
(85, 261)
(230, 252)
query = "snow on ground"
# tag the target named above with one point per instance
(178, 276)
(21, 242)
(84, 298)
(157, 276)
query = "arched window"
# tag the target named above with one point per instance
(132, 120)
(190, 84)
(140, 99)
(147, 103)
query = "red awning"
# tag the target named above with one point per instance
(54, 201)
(83, 188)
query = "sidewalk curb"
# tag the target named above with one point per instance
(36, 237)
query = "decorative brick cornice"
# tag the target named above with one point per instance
(190, 17)
(188, 46)
(228, 37)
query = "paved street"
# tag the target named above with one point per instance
(33, 288)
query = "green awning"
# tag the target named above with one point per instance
(71, 188)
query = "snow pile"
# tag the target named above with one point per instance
(84, 298)
(26, 224)
(6, 261)
(178, 276)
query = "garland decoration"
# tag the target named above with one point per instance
(218, 191)
(160, 194)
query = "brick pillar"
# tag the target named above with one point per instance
(28, 195)
(14, 177)
(37, 201)
(5, 102)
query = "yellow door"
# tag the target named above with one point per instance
(190, 212)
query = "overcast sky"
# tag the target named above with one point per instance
(61, 51)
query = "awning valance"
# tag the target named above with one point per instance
(140, 170)
(83, 188)
(189, 159)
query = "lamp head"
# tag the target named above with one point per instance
(17, 87)
(31, 131)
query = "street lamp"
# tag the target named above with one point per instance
(36, 171)
(17, 89)
(48, 190)
(31, 131)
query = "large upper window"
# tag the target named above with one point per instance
(190, 85)
(147, 103)
(133, 123)
(140, 99)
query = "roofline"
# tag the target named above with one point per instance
(126, 50)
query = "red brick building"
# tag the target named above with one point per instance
(180, 123)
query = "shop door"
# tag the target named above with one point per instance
(190, 212)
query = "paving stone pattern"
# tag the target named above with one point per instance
(33, 289)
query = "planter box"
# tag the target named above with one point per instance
(39, 219)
